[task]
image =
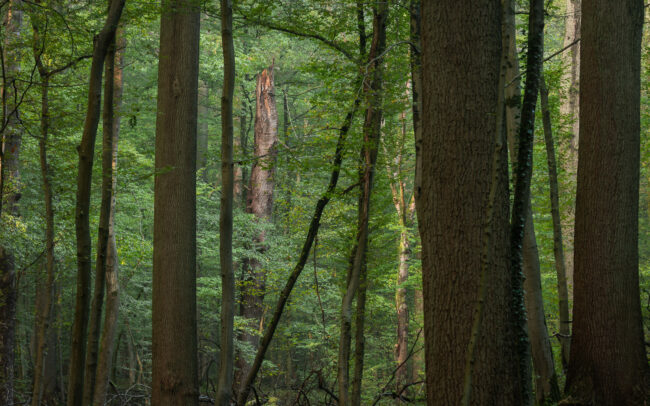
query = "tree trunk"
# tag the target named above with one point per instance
(114, 86)
(546, 387)
(359, 337)
(11, 135)
(569, 110)
(373, 93)
(43, 312)
(101, 270)
(521, 214)
(404, 216)
(226, 350)
(82, 216)
(304, 254)
(259, 202)
(558, 250)
(202, 133)
(174, 341)
(465, 246)
(416, 78)
(608, 363)
(417, 359)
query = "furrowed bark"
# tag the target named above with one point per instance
(174, 341)
(608, 362)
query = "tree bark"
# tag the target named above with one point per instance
(9, 176)
(202, 133)
(114, 86)
(416, 78)
(520, 213)
(101, 270)
(404, 219)
(546, 386)
(226, 351)
(259, 202)
(569, 110)
(373, 94)
(174, 341)
(359, 337)
(462, 162)
(84, 180)
(558, 250)
(43, 312)
(608, 363)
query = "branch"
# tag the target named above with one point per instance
(330, 43)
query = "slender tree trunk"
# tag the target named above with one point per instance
(569, 110)
(520, 215)
(9, 193)
(417, 359)
(174, 342)
(84, 180)
(462, 161)
(371, 136)
(43, 312)
(259, 202)
(92, 343)
(416, 78)
(558, 250)
(202, 133)
(304, 255)
(608, 363)
(359, 337)
(546, 387)
(226, 350)
(113, 86)
(404, 216)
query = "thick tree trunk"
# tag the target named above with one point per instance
(84, 180)
(608, 363)
(462, 162)
(259, 202)
(174, 341)
(11, 135)
(226, 350)
(373, 94)
(114, 85)
(558, 250)
(569, 110)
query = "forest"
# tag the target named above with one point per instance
(324, 202)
